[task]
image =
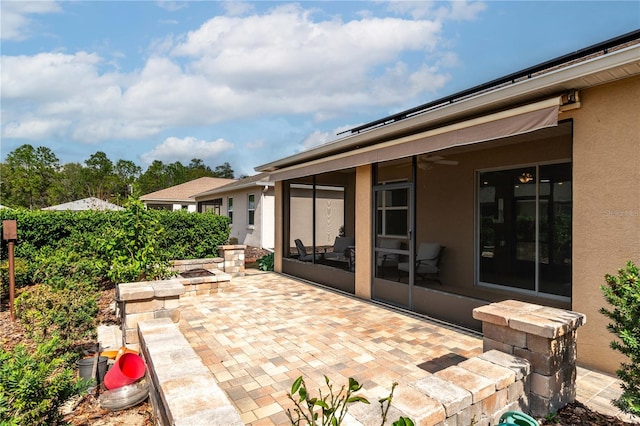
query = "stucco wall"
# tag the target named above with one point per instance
(606, 221)
(363, 226)
(261, 233)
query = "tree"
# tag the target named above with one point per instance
(99, 176)
(27, 176)
(153, 179)
(223, 171)
(68, 184)
(126, 174)
(176, 173)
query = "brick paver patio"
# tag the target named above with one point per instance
(267, 330)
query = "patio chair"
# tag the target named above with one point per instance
(427, 265)
(302, 252)
(387, 260)
(340, 248)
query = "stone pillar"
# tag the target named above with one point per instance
(544, 336)
(233, 256)
(147, 300)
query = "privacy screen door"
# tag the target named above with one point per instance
(392, 243)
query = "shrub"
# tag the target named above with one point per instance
(64, 267)
(22, 276)
(34, 386)
(69, 313)
(265, 263)
(623, 293)
(99, 236)
(131, 249)
(192, 235)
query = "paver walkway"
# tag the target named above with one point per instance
(267, 330)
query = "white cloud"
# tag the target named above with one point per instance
(14, 17)
(282, 62)
(175, 149)
(34, 129)
(318, 138)
(171, 6)
(462, 10)
(237, 8)
(466, 11)
(315, 139)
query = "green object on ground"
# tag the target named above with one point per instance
(517, 418)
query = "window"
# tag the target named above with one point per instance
(211, 206)
(392, 210)
(524, 224)
(251, 209)
(230, 209)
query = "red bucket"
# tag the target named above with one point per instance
(126, 370)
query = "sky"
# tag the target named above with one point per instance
(251, 82)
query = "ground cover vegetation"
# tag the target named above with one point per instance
(64, 262)
(33, 178)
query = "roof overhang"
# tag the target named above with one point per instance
(234, 187)
(600, 70)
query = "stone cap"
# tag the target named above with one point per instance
(233, 247)
(530, 318)
(144, 290)
(180, 262)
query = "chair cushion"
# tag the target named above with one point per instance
(340, 245)
(428, 251)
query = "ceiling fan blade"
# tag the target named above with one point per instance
(447, 162)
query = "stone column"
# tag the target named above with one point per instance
(544, 336)
(233, 256)
(147, 300)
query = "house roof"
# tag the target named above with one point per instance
(599, 64)
(90, 203)
(261, 179)
(185, 191)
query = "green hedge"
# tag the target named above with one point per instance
(186, 235)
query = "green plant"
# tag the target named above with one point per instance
(34, 386)
(331, 408)
(69, 313)
(68, 266)
(552, 417)
(265, 263)
(132, 248)
(22, 275)
(623, 293)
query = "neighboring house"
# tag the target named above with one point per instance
(249, 205)
(180, 197)
(529, 181)
(90, 203)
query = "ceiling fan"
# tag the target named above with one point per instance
(426, 162)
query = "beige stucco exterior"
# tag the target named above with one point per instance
(363, 231)
(600, 136)
(606, 221)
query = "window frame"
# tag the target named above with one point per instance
(230, 209)
(251, 209)
(537, 292)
